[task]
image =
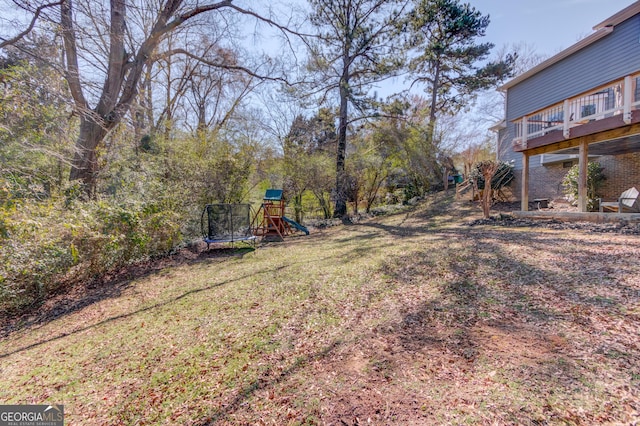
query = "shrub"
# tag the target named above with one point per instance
(503, 177)
(47, 244)
(595, 178)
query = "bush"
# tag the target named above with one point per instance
(595, 178)
(149, 202)
(503, 177)
(45, 245)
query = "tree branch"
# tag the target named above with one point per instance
(32, 24)
(193, 12)
(226, 66)
(71, 54)
(272, 23)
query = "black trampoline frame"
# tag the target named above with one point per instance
(226, 223)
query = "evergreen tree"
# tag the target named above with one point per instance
(444, 37)
(357, 46)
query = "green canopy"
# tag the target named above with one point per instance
(273, 195)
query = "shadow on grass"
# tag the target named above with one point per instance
(399, 231)
(127, 315)
(487, 286)
(434, 213)
(110, 286)
(116, 291)
(265, 381)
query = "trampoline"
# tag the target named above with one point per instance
(226, 223)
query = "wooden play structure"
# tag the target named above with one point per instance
(230, 223)
(269, 222)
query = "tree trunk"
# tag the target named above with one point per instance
(445, 178)
(84, 166)
(94, 124)
(486, 201)
(341, 176)
(168, 99)
(374, 189)
(142, 109)
(488, 170)
(297, 207)
(355, 202)
(434, 103)
(324, 204)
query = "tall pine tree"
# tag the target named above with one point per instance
(357, 47)
(448, 58)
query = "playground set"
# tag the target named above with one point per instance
(228, 223)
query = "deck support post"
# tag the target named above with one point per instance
(524, 206)
(627, 99)
(566, 125)
(582, 176)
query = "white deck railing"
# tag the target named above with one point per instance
(619, 97)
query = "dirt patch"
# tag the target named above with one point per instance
(384, 380)
(509, 343)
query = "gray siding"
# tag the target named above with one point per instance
(506, 152)
(606, 60)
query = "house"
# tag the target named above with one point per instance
(583, 104)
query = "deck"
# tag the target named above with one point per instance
(609, 113)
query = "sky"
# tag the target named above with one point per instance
(547, 25)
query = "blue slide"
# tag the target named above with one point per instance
(295, 225)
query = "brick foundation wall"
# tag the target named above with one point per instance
(622, 172)
(544, 182)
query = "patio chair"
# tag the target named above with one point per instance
(628, 202)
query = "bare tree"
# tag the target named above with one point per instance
(34, 12)
(488, 170)
(101, 41)
(490, 108)
(214, 94)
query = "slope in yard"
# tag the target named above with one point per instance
(416, 318)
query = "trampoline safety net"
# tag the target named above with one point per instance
(226, 222)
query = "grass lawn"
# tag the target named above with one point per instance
(415, 318)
